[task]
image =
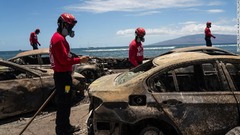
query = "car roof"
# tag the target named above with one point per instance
(188, 56)
(205, 49)
(32, 52)
(17, 66)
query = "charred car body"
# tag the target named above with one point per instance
(204, 49)
(40, 58)
(24, 90)
(182, 93)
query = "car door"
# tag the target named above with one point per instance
(196, 97)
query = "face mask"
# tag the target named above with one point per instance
(72, 34)
(139, 39)
(64, 32)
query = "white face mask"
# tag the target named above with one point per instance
(64, 32)
(140, 39)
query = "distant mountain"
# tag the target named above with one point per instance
(198, 39)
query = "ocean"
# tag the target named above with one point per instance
(122, 52)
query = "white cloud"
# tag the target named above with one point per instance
(226, 21)
(215, 3)
(187, 28)
(224, 29)
(146, 13)
(125, 32)
(191, 29)
(215, 11)
(188, 22)
(101, 6)
(208, 11)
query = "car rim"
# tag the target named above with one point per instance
(151, 130)
(89, 75)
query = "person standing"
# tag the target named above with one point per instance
(135, 53)
(62, 61)
(208, 34)
(34, 39)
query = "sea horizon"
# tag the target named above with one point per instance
(122, 51)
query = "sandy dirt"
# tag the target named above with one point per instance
(44, 123)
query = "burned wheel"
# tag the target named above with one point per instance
(90, 75)
(151, 130)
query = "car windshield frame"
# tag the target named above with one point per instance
(134, 72)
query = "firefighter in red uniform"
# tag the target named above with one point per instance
(62, 62)
(34, 39)
(135, 53)
(208, 34)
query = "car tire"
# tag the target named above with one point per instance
(151, 130)
(90, 75)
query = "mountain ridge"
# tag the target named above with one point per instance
(198, 39)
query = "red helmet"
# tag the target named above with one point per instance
(67, 18)
(140, 32)
(208, 23)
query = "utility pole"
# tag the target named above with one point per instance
(238, 27)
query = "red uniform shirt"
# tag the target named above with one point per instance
(135, 52)
(60, 57)
(208, 33)
(33, 38)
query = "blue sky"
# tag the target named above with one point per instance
(105, 23)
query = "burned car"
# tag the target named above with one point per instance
(182, 93)
(24, 90)
(40, 58)
(120, 64)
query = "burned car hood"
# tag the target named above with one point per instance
(107, 88)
